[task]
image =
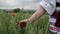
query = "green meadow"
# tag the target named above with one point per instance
(8, 24)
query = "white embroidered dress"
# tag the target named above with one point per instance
(50, 7)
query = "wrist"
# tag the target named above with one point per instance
(29, 20)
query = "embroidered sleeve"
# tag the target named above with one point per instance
(48, 6)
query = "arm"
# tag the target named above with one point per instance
(39, 12)
(45, 6)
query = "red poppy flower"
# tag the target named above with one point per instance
(13, 14)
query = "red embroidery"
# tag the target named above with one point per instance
(55, 29)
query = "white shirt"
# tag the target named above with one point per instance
(48, 5)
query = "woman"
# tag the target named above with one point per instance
(52, 7)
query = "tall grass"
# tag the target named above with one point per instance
(8, 24)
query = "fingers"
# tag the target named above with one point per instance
(22, 24)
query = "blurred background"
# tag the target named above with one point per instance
(26, 4)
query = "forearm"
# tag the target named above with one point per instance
(39, 12)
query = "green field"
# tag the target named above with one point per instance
(8, 24)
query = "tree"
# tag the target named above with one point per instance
(16, 10)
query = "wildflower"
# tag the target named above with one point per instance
(13, 14)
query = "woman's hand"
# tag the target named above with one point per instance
(22, 23)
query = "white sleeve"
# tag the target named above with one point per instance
(58, 1)
(48, 6)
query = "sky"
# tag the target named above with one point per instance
(26, 4)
